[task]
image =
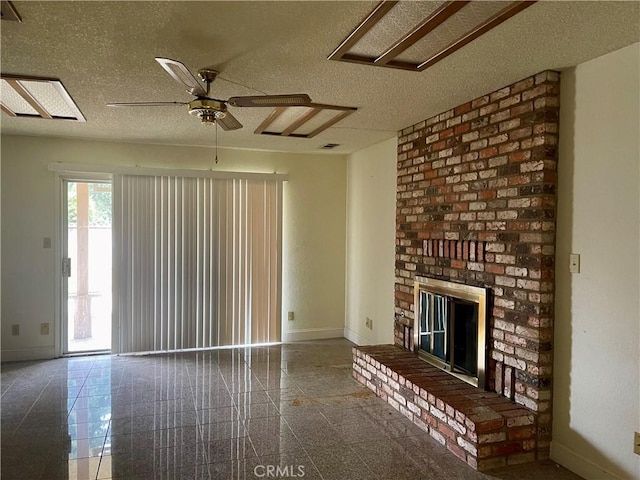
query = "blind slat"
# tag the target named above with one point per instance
(197, 262)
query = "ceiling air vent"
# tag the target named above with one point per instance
(329, 146)
(8, 11)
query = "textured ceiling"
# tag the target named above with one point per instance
(104, 52)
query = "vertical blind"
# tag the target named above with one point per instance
(197, 262)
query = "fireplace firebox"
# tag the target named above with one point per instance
(450, 328)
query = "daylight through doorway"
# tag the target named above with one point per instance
(87, 266)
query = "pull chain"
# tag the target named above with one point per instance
(216, 141)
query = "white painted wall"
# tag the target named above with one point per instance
(597, 341)
(371, 223)
(314, 229)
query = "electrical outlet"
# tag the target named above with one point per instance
(290, 316)
(44, 329)
(15, 329)
(574, 263)
(368, 323)
(636, 443)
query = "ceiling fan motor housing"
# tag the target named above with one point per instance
(207, 109)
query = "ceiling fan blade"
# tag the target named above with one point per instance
(229, 122)
(291, 100)
(182, 75)
(145, 104)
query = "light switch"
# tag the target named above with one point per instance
(46, 242)
(574, 263)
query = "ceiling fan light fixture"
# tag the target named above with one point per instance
(211, 117)
(207, 108)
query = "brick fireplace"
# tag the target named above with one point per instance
(476, 202)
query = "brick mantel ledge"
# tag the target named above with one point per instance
(484, 429)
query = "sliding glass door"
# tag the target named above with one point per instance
(87, 219)
(197, 262)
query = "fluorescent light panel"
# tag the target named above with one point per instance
(402, 18)
(447, 33)
(34, 97)
(289, 116)
(14, 101)
(318, 121)
(302, 122)
(413, 35)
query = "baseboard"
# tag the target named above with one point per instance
(24, 354)
(578, 464)
(355, 338)
(312, 334)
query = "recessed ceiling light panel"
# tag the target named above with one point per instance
(14, 101)
(403, 17)
(323, 117)
(34, 97)
(415, 35)
(302, 122)
(447, 33)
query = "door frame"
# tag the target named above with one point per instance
(60, 245)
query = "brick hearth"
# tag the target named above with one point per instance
(484, 429)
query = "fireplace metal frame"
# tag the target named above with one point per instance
(469, 293)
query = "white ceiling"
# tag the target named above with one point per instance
(104, 52)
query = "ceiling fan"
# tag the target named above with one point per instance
(212, 110)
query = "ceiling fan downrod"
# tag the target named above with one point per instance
(208, 75)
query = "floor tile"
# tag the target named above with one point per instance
(343, 464)
(222, 430)
(220, 414)
(230, 449)
(288, 465)
(285, 443)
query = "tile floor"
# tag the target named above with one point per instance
(286, 411)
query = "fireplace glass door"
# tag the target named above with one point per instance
(450, 328)
(465, 336)
(435, 325)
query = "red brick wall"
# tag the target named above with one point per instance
(476, 203)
